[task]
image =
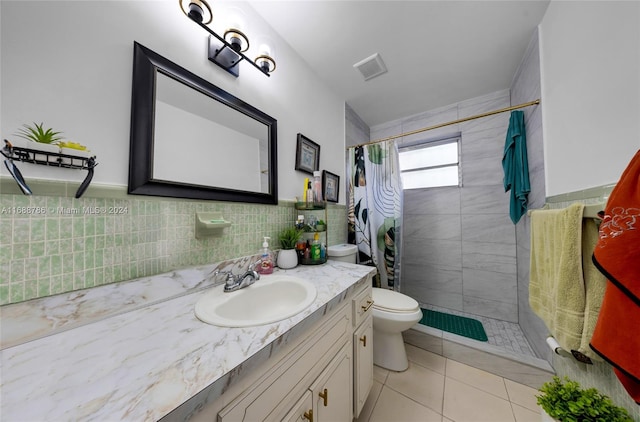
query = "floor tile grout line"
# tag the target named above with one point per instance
(445, 378)
(508, 399)
(439, 412)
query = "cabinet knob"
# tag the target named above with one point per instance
(308, 415)
(366, 307)
(363, 339)
(325, 397)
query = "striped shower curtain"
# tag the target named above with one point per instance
(375, 209)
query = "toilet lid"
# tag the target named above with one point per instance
(391, 301)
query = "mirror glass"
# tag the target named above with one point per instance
(191, 139)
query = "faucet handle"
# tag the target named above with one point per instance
(252, 266)
(228, 274)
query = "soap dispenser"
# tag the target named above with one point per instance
(266, 264)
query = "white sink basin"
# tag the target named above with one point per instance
(270, 299)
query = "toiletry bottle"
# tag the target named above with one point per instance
(317, 188)
(307, 251)
(315, 247)
(309, 195)
(305, 198)
(266, 266)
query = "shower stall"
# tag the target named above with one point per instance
(461, 253)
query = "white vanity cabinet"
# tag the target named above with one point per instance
(362, 349)
(315, 380)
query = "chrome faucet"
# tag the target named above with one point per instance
(236, 282)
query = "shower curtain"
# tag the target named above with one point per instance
(375, 209)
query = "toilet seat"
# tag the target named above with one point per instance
(394, 302)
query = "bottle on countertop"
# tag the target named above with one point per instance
(266, 258)
(315, 247)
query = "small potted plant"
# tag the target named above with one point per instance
(565, 401)
(46, 140)
(287, 257)
(321, 226)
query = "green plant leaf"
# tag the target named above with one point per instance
(37, 133)
(568, 402)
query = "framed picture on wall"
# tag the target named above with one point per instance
(307, 155)
(330, 186)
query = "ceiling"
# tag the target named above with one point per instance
(437, 52)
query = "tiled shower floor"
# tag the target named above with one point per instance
(502, 334)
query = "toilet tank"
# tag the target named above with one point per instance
(343, 252)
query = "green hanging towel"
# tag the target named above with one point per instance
(516, 167)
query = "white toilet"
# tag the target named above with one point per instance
(344, 252)
(393, 313)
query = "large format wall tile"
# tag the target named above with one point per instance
(433, 277)
(432, 201)
(490, 256)
(356, 130)
(506, 311)
(431, 226)
(427, 119)
(488, 199)
(443, 253)
(488, 227)
(489, 285)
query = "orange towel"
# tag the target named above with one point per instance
(617, 256)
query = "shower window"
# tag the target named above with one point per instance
(430, 163)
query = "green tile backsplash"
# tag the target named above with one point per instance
(56, 244)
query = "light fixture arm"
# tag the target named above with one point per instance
(229, 46)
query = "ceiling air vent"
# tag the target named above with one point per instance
(371, 67)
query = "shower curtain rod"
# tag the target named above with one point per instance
(453, 122)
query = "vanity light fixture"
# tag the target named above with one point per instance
(227, 51)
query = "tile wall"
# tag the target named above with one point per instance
(56, 244)
(459, 243)
(356, 130)
(526, 87)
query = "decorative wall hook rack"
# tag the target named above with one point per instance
(54, 159)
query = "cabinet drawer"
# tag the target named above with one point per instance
(362, 306)
(302, 410)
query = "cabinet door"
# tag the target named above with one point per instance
(302, 411)
(333, 391)
(362, 363)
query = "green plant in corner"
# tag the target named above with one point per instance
(566, 401)
(37, 133)
(289, 237)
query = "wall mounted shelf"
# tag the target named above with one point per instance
(48, 158)
(302, 206)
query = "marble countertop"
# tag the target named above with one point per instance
(136, 351)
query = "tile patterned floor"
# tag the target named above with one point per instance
(435, 388)
(503, 334)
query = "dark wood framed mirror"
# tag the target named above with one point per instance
(191, 139)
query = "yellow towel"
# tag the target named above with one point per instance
(595, 285)
(556, 284)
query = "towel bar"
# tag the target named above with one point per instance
(590, 211)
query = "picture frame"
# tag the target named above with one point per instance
(330, 186)
(307, 155)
